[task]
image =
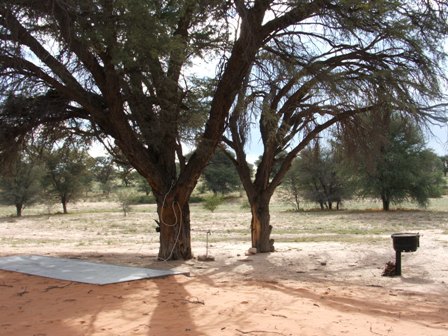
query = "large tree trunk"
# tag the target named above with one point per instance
(175, 239)
(260, 225)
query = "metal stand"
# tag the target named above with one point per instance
(206, 257)
(397, 262)
(206, 246)
(404, 242)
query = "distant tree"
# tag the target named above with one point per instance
(125, 197)
(220, 175)
(26, 160)
(104, 173)
(290, 186)
(67, 175)
(126, 173)
(21, 184)
(212, 202)
(392, 163)
(444, 160)
(142, 184)
(319, 177)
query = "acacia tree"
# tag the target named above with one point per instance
(104, 172)
(319, 176)
(220, 175)
(21, 183)
(351, 58)
(67, 173)
(290, 185)
(395, 166)
(122, 67)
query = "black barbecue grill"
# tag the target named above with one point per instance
(404, 242)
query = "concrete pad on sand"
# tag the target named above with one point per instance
(79, 270)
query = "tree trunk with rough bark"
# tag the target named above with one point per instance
(174, 224)
(260, 225)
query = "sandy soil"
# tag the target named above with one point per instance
(303, 289)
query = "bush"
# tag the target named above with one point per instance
(125, 197)
(212, 202)
(143, 199)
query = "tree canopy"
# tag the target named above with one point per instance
(220, 175)
(67, 173)
(396, 166)
(21, 183)
(104, 172)
(319, 177)
(122, 71)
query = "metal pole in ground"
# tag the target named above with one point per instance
(398, 262)
(206, 246)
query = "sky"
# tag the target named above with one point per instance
(439, 141)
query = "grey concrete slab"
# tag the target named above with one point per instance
(79, 270)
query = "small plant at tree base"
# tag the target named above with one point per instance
(212, 202)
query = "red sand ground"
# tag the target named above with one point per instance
(290, 292)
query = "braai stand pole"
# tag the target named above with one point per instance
(398, 262)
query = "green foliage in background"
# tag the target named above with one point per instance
(394, 164)
(21, 185)
(67, 175)
(212, 202)
(318, 176)
(220, 175)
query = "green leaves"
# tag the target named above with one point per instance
(220, 174)
(397, 167)
(22, 186)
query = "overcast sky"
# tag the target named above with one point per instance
(439, 141)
